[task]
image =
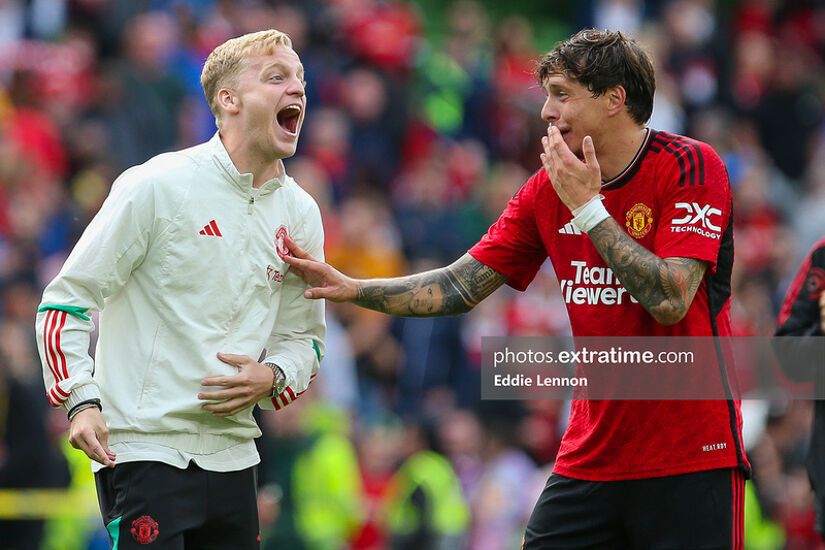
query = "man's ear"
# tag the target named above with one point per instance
(616, 97)
(229, 101)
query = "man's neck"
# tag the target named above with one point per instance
(248, 160)
(618, 149)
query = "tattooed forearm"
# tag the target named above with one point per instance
(664, 287)
(449, 290)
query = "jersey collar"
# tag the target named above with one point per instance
(631, 169)
(242, 181)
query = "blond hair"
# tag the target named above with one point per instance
(221, 68)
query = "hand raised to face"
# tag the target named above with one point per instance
(576, 182)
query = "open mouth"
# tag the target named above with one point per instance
(288, 118)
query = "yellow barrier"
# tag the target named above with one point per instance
(47, 504)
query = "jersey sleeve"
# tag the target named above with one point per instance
(513, 246)
(296, 343)
(800, 315)
(694, 199)
(114, 243)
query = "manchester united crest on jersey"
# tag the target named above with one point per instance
(280, 242)
(639, 220)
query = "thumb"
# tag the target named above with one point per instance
(589, 151)
(102, 433)
(103, 438)
(315, 293)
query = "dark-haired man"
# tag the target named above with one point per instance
(645, 215)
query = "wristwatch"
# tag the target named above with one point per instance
(278, 381)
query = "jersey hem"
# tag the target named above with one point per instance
(187, 442)
(588, 475)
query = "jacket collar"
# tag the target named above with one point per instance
(241, 181)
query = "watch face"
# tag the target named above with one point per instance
(279, 381)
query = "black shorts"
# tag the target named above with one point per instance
(701, 510)
(165, 508)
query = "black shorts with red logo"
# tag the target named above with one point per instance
(685, 512)
(154, 505)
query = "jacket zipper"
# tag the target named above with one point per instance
(253, 195)
(234, 318)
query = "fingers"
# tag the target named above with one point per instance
(589, 151)
(547, 156)
(217, 395)
(305, 264)
(103, 438)
(237, 361)
(87, 438)
(311, 271)
(239, 392)
(557, 155)
(94, 450)
(296, 250)
(233, 359)
(227, 402)
(558, 149)
(229, 407)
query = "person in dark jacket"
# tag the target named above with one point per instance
(28, 459)
(803, 314)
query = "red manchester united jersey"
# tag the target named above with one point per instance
(674, 199)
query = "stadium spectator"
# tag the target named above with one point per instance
(498, 518)
(599, 157)
(309, 470)
(425, 505)
(28, 458)
(183, 261)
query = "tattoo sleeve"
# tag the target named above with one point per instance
(450, 290)
(664, 287)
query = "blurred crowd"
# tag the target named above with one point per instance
(423, 120)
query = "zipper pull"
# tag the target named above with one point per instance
(251, 204)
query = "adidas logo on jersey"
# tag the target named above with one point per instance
(570, 229)
(211, 230)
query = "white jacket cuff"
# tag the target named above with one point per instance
(80, 394)
(298, 381)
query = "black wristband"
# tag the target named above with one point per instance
(87, 404)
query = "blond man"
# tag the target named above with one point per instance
(185, 263)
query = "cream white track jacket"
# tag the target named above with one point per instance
(183, 261)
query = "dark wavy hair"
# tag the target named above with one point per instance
(601, 60)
